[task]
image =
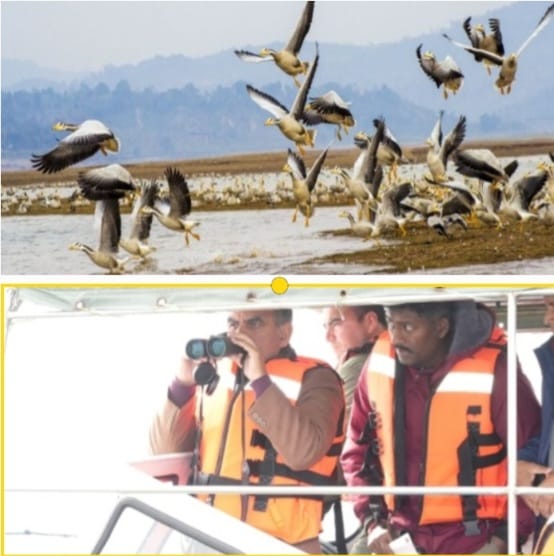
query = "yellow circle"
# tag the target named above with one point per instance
(279, 285)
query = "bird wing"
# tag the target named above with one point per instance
(494, 25)
(371, 163)
(142, 223)
(64, 155)
(107, 182)
(377, 180)
(299, 103)
(311, 117)
(329, 103)
(463, 191)
(543, 22)
(478, 163)
(471, 33)
(394, 196)
(247, 56)
(296, 164)
(179, 194)
(302, 28)
(427, 66)
(528, 186)
(110, 224)
(490, 56)
(436, 133)
(267, 102)
(455, 204)
(389, 140)
(453, 140)
(311, 178)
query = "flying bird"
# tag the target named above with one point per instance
(303, 182)
(445, 73)
(137, 242)
(289, 121)
(85, 141)
(329, 108)
(173, 214)
(508, 64)
(479, 39)
(440, 149)
(287, 58)
(106, 186)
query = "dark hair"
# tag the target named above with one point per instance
(427, 310)
(379, 311)
(282, 316)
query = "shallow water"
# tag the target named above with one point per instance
(232, 242)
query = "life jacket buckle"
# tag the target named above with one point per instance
(471, 528)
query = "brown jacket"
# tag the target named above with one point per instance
(301, 433)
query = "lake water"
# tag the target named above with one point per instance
(232, 242)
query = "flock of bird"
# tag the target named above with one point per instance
(487, 191)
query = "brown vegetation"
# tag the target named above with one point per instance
(423, 249)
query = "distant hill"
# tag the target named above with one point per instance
(179, 106)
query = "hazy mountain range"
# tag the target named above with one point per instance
(378, 80)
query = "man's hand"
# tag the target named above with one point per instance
(526, 471)
(378, 540)
(253, 365)
(186, 370)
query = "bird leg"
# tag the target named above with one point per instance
(294, 214)
(306, 221)
(300, 149)
(338, 133)
(296, 82)
(193, 234)
(444, 93)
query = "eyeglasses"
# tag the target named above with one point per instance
(332, 323)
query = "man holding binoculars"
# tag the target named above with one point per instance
(268, 416)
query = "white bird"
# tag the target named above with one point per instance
(106, 186)
(508, 64)
(287, 58)
(303, 183)
(173, 215)
(86, 140)
(479, 39)
(137, 242)
(440, 150)
(289, 121)
(445, 73)
(329, 108)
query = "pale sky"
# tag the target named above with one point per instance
(83, 36)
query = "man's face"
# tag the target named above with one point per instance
(352, 331)
(549, 311)
(262, 327)
(331, 321)
(418, 341)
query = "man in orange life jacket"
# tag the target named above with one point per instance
(273, 418)
(431, 403)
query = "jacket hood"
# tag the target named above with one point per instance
(473, 324)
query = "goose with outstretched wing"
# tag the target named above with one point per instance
(85, 141)
(508, 64)
(286, 58)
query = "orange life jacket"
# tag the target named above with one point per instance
(292, 519)
(462, 447)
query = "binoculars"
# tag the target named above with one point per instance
(214, 347)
